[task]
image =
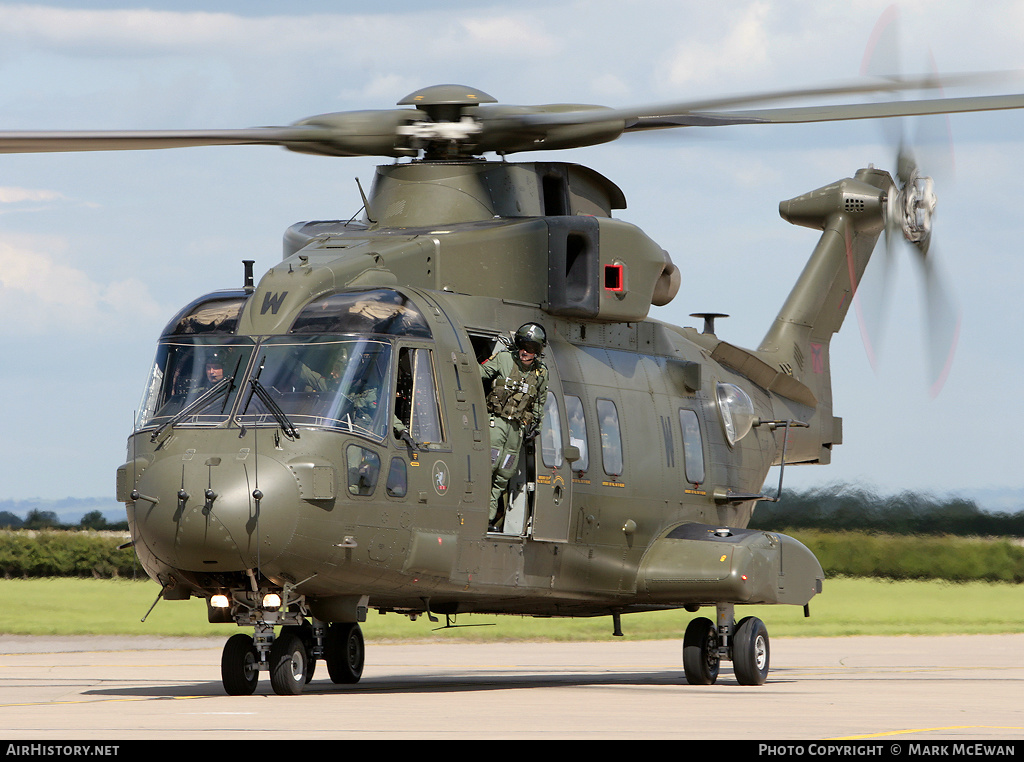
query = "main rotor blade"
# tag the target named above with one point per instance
(510, 128)
(807, 114)
(133, 140)
(705, 111)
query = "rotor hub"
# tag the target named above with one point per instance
(450, 126)
(446, 100)
(913, 207)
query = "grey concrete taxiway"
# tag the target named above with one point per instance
(894, 689)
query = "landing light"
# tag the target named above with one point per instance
(271, 601)
(219, 602)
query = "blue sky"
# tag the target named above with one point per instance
(97, 251)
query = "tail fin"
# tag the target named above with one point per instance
(851, 216)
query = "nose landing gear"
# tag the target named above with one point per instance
(290, 657)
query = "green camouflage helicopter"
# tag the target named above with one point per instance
(318, 443)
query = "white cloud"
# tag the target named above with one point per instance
(111, 33)
(742, 48)
(147, 32)
(10, 195)
(517, 34)
(39, 293)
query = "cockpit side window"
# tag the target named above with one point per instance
(363, 470)
(398, 478)
(417, 408)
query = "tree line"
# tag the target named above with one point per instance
(848, 508)
(38, 519)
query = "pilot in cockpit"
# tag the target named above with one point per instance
(214, 371)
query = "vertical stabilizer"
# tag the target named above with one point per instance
(851, 215)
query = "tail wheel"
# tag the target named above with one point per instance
(750, 651)
(288, 659)
(239, 666)
(700, 652)
(344, 652)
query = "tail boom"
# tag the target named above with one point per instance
(851, 215)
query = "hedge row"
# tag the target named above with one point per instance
(849, 554)
(65, 554)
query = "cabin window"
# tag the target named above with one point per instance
(577, 431)
(398, 478)
(363, 470)
(551, 434)
(611, 438)
(693, 448)
(417, 407)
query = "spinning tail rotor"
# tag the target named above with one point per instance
(909, 214)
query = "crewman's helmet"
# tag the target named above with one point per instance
(531, 337)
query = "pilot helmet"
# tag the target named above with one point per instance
(531, 337)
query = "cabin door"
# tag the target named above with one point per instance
(551, 472)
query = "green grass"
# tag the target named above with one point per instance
(847, 607)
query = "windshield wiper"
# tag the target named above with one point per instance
(275, 410)
(231, 387)
(223, 386)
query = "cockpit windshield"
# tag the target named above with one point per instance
(186, 369)
(324, 381)
(332, 370)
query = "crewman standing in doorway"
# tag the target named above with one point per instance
(515, 404)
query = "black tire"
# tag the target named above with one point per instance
(751, 651)
(304, 632)
(344, 652)
(288, 659)
(700, 652)
(239, 666)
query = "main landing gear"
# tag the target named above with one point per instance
(745, 643)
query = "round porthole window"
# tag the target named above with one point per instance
(736, 411)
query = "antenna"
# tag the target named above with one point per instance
(366, 202)
(709, 320)
(249, 283)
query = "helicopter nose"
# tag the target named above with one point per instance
(210, 514)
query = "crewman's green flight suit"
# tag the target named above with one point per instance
(515, 403)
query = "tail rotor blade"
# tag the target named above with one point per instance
(942, 322)
(871, 298)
